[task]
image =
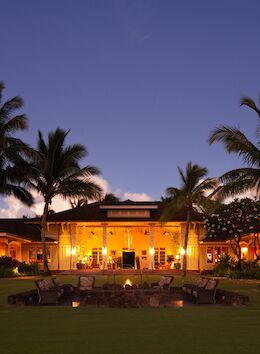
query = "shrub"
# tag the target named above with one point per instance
(6, 272)
(28, 269)
(177, 265)
(246, 274)
(8, 262)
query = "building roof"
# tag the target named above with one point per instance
(97, 212)
(20, 228)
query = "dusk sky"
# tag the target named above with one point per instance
(140, 83)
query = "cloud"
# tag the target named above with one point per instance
(13, 208)
(102, 182)
(142, 197)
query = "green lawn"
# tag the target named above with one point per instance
(65, 330)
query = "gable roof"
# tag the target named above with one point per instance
(98, 212)
(20, 228)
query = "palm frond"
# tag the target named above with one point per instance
(172, 192)
(19, 122)
(236, 142)
(249, 102)
(237, 187)
(239, 173)
(9, 107)
(18, 192)
(174, 205)
(206, 185)
(2, 87)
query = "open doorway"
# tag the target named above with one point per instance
(128, 259)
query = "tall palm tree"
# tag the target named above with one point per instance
(190, 196)
(57, 173)
(246, 178)
(14, 170)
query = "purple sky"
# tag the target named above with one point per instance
(140, 83)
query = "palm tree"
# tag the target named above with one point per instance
(246, 178)
(190, 196)
(108, 198)
(13, 151)
(57, 173)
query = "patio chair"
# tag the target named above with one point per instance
(199, 284)
(206, 295)
(164, 282)
(86, 283)
(48, 295)
(65, 289)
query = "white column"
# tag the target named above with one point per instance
(104, 247)
(151, 248)
(73, 262)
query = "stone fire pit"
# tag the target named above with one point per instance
(115, 295)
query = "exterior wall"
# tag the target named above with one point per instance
(3, 247)
(203, 251)
(193, 245)
(53, 263)
(76, 243)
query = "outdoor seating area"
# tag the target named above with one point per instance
(203, 291)
(155, 294)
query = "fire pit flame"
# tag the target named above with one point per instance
(127, 282)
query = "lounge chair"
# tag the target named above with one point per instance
(206, 295)
(189, 288)
(164, 282)
(48, 295)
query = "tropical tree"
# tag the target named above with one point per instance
(190, 196)
(246, 178)
(233, 221)
(108, 198)
(57, 173)
(14, 170)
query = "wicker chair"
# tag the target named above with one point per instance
(85, 284)
(65, 289)
(206, 295)
(48, 295)
(164, 282)
(188, 289)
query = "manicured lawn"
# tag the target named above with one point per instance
(65, 330)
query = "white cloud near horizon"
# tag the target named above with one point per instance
(137, 197)
(13, 208)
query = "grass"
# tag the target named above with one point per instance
(65, 330)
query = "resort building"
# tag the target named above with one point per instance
(111, 236)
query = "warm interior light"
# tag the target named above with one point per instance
(177, 257)
(182, 251)
(73, 251)
(75, 304)
(244, 249)
(127, 282)
(151, 251)
(104, 251)
(15, 270)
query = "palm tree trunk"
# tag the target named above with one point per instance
(186, 237)
(43, 228)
